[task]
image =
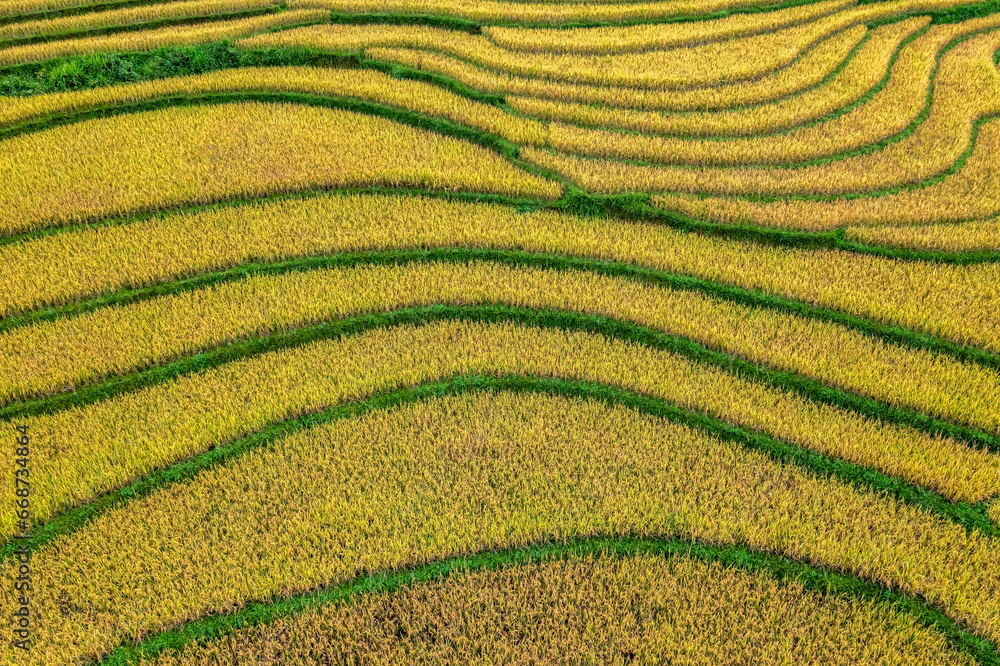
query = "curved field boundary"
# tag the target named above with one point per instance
(971, 516)
(548, 158)
(147, 25)
(503, 148)
(543, 318)
(822, 580)
(74, 10)
(890, 334)
(842, 110)
(817, 161)
(575, 200)
(961, 13)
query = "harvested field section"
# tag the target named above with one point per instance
(575, 606)
(860, 74)
(190, 155)
(130, 16)
(614, 39)
(367, 85)
(965, 236)
(147, 40)
(464, 474)
(960, 303)
(68, 353)
(102, 446)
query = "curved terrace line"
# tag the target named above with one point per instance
(952, 15)
(821, 580)
(59, 12)
(892, 334)
(574, 200)
(510, 151)
(609, 327)
(195, 19)
(64, 523)
(498, 145)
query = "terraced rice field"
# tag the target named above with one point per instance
(434, 331)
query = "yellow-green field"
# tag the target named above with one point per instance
(441, 332)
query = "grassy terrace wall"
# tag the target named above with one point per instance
(438, 331)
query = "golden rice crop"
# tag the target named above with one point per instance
(535, 12)
(56, 356)
(190, 155)
(975, 235)
(147, 40)
(128, 16)
(94, 448)
(680, 67)
(661, 610)
(617, 39)
(968, 194)
(955, 302)
(968, 88)
(363, 84)
(17, 7)
(569, 12)
(860, 74)
(808, 70)
(474, 472)
(995, 512)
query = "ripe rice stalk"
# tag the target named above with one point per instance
(860, 74)
(200, 154)
(619, 39)
(94, 448)
(11, 8)
(469, 473)
(553, 13)
(967, 88)
(969, 194)
(958, 237)
(369, 85)
(129, 16)
(643, 605)
(808, 70)
(676, 68)
(556, 13)
(68, 353)
(148, 40)
(995, 512)
(83, 263)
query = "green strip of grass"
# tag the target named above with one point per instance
(888, 333)
(820, 580)
(495, 313)
(970, 516)
(180, 61)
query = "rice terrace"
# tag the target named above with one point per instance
(500, 331)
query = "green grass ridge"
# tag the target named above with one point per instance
(971, 516)
(544, 318)
(575, 200)
(818, 579)
(889, 333)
